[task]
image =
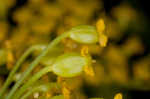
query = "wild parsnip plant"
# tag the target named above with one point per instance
(77, 63)
(67, 65)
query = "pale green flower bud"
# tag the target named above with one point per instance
(84, 34)
(69, 65)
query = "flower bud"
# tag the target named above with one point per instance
(69, 65)
(84, 34)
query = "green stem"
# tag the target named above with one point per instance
(35, 62)
(32, 80)
(40, 88)
(31, 91)
(16, 67)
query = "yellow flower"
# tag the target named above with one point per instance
(66, 92)
(118, 96)
(48, 95)
(89, 70)
(100, 25)
(84, 51)
(100, 29)
(103, 40)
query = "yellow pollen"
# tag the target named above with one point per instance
(103, 40)
(48, 95)
(89, 70)
(118, 96)
(100, 26)
(84, 50)
(66, 92)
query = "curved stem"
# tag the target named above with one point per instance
(16, 67)
(32, 80)
(31, 91)
(40, 88)
(35, 62)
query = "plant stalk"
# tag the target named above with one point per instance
(35, 62)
